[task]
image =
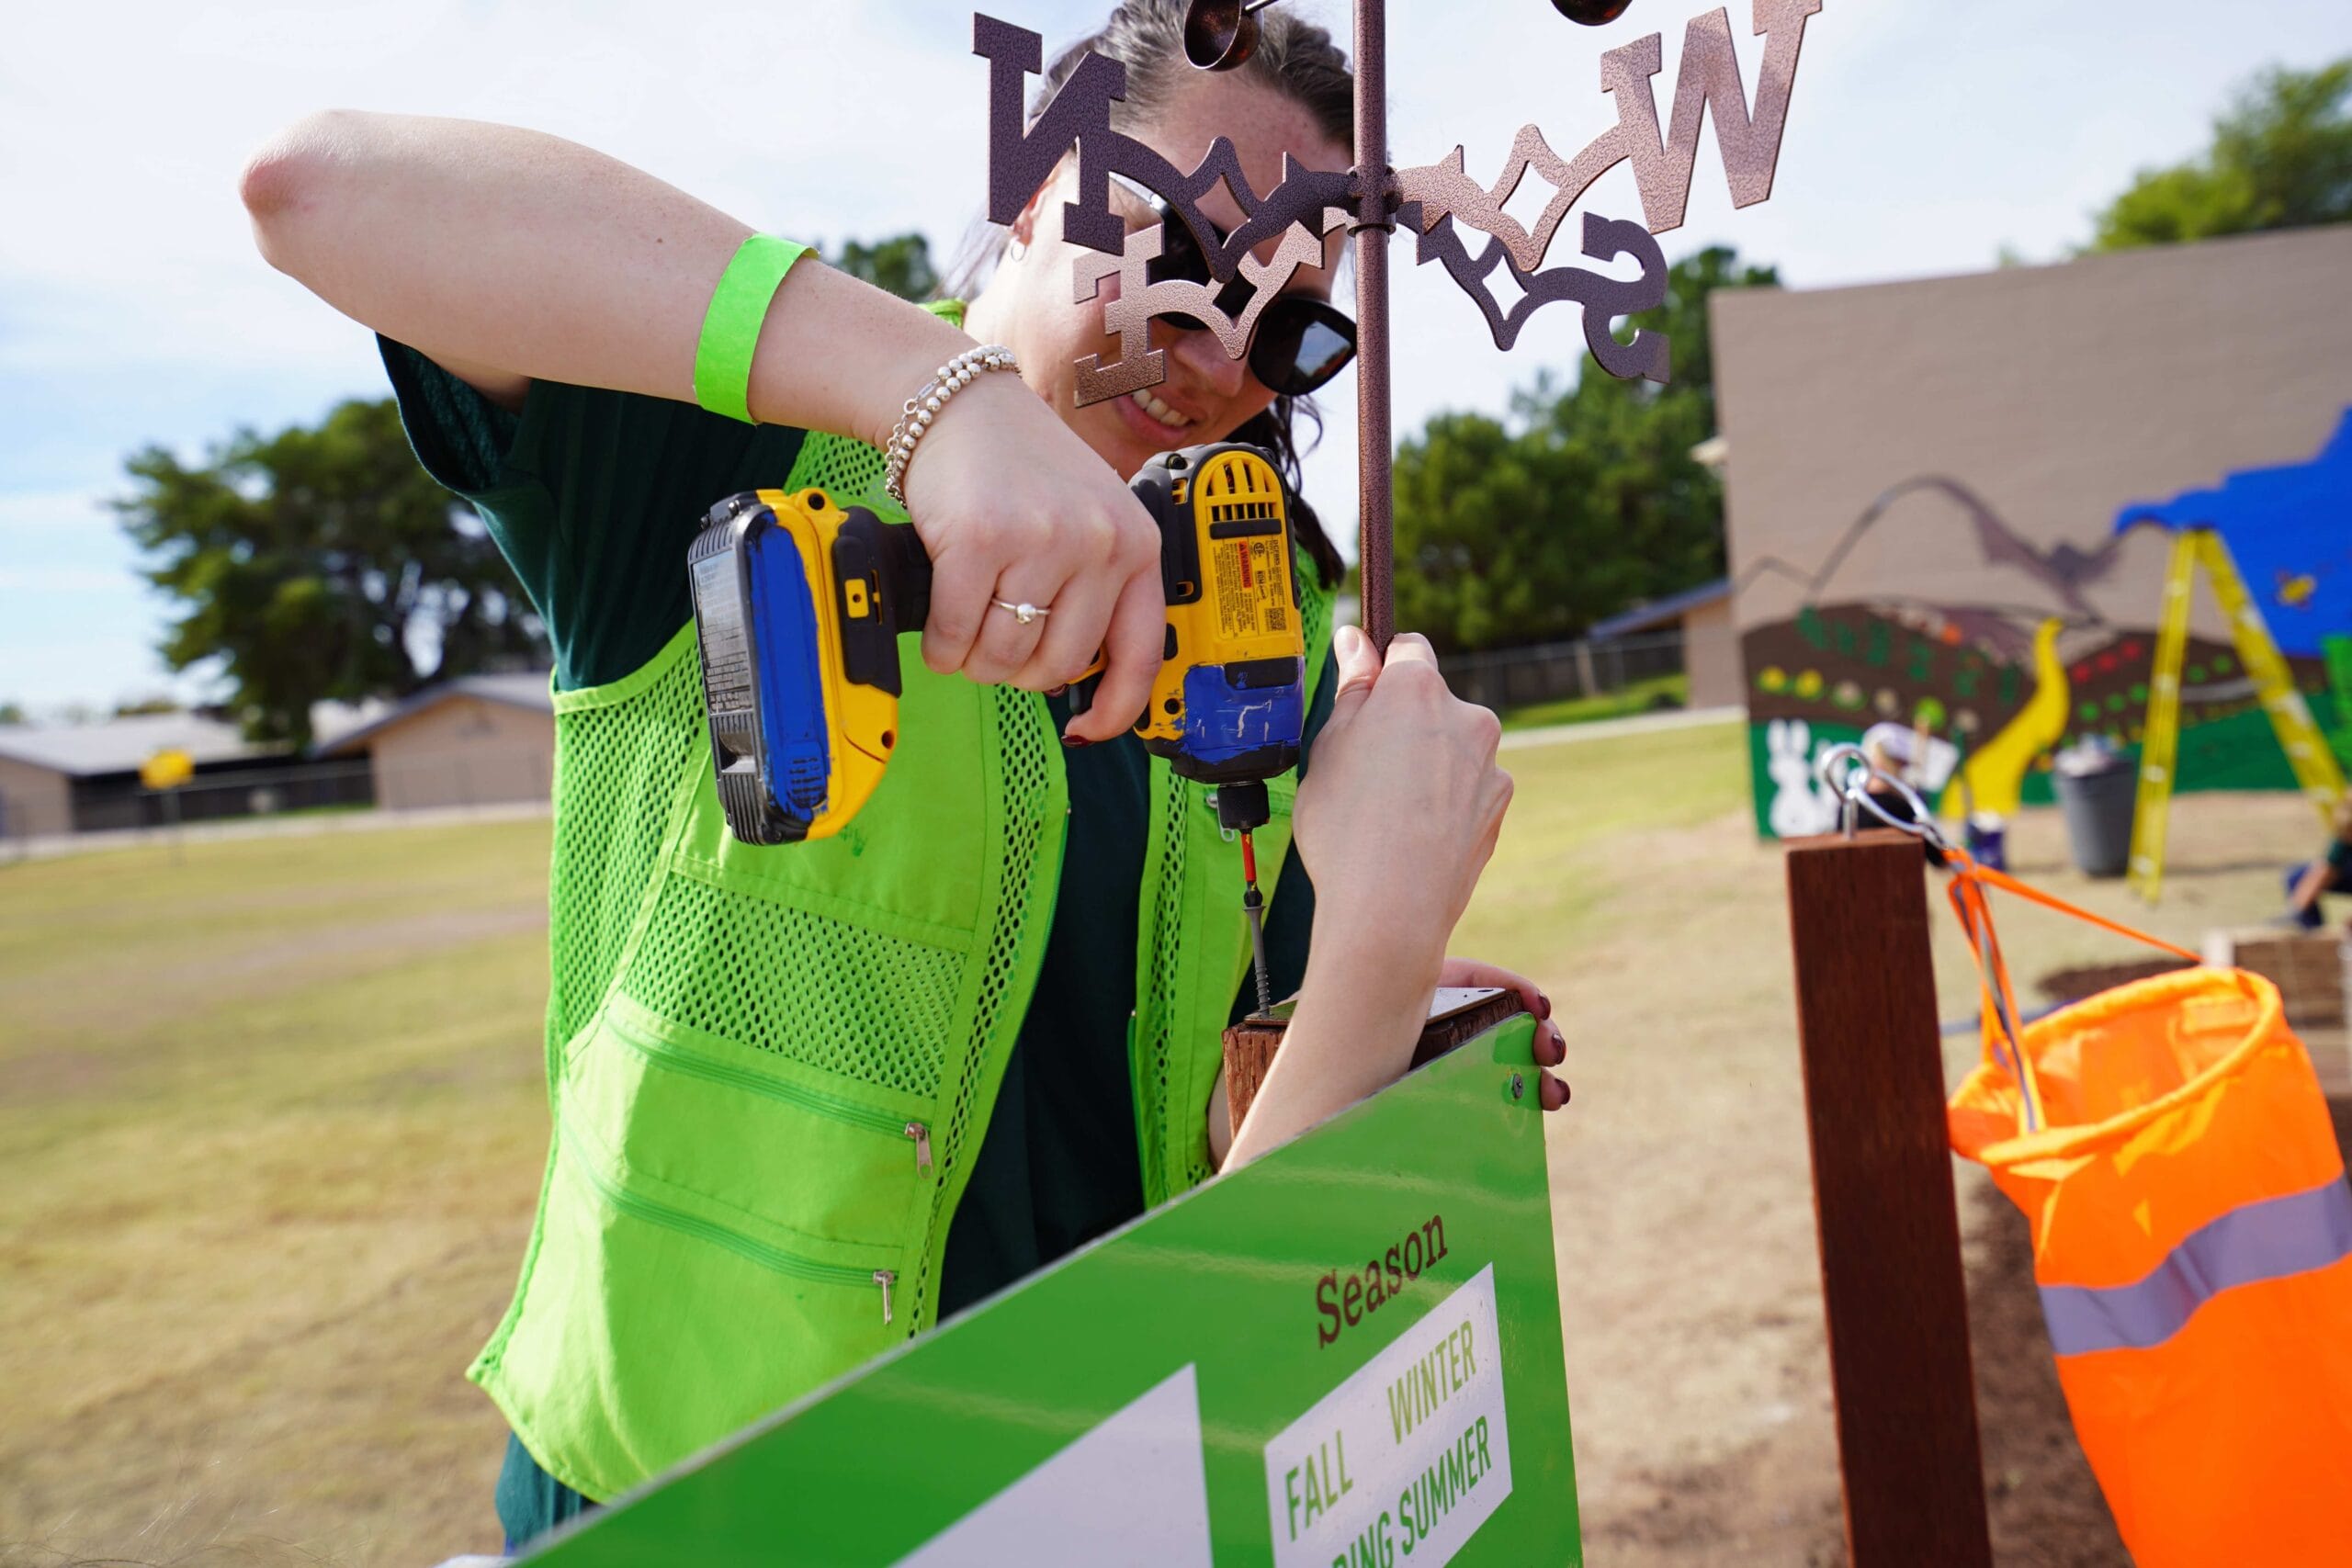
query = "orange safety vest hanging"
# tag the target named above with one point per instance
(2192, 1237)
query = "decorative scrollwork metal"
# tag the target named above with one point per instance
(1706, 86)
(1307, 205)
(1603, 297)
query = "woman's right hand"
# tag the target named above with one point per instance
(1400, 810)
(1013, 505)
(1395, 821)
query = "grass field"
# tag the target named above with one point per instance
(272, 1124)
(1639, 696)
(270, 1119)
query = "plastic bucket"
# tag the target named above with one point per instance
(2097, 803)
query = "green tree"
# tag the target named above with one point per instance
(901, 265)
(1582, 502)
(2281, 158)
(11, 712)
(308, 565)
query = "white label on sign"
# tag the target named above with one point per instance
(1133, 1490)
(1404, 1461)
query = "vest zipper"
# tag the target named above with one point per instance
(770, 1258)
(812, 1100)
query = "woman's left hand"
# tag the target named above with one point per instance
(1550, 1046)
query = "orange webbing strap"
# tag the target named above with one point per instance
(1996, 1002)
(1996, 997)
(1966, 867)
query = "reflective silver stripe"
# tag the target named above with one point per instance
(2267, 1240)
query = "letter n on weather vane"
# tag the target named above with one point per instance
(1431, 199)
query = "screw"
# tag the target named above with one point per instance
(1517, 1086)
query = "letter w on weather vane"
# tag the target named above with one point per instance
(1429, 200)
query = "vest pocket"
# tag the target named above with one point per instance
(656, 1321)
(720, 1235)
(765, 1146)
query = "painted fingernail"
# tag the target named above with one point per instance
(1543, 1005)
(1055, 691)
(1074, 741)
(1557, 1101)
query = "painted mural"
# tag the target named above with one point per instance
(1996, 689)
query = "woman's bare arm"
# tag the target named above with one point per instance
(507, 256)
(1395, 823)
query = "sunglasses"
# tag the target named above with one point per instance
(1301, 341)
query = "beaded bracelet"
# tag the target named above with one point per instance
(924, 406)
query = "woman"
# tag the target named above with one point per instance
(809, 1099)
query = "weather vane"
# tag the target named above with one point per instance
(1372, 198)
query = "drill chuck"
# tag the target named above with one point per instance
(1241, 806)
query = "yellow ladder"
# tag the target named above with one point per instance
(2160, 738)
(2307, 750)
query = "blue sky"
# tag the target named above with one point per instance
(1922, 138)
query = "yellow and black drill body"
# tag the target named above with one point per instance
(799, 603)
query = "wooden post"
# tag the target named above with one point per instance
(1891, 1274)
(1456, 1014)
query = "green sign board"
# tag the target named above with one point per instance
(1347, 1355)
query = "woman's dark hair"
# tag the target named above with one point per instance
(1296, 59)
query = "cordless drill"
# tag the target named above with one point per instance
(800, 603)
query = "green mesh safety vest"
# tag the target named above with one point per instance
(770, 1069)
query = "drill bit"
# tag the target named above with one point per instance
(1254, 903)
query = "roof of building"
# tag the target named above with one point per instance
(525, 689)
(1673, 607)
(120, 745)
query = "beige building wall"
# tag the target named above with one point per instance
(37, 799)
(2057, 393)
(1711, 655)
(464, 752)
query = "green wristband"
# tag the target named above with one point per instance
(731, 327)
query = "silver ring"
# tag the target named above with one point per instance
(1023, 611)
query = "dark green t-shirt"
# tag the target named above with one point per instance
(594, 496)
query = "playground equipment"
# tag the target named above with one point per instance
(2192, 1229)
(1993, 778)
(2307, 749)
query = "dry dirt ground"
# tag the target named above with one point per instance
(1697, 1363)
(271, 1128)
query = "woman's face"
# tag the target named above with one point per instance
(1028, 304)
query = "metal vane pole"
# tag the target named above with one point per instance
(1376, 550)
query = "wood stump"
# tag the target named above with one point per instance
(2308, 968)
(1456, 1014)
